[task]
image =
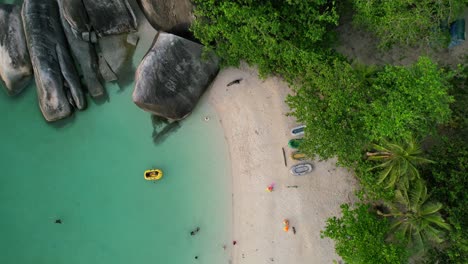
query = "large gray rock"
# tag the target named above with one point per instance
(15, 65)
(172, 76)
(110, 17)
(83, 52)
(74, 12)
(116, 51)
(166, 15)
(57, 81)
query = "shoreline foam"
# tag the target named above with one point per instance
(256, 128)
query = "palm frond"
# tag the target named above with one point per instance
(430, 208)
(436, 219)
(383, 175)
(433, 234)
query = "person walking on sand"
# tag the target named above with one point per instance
(286, 225)
(270, 187)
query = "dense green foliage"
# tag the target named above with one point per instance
(360, 237)
(407, 22)
(416, 218)
(448, 178)
(277, 36)
(394, 103)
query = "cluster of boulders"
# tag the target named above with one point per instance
(59, 42)
(73, 46)
(173, 75)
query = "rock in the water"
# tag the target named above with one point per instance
(110, 17)
(83, 52)
(15, 65)
(172, 77)
(74, 12)
(105, 70)
(116, 51)
(167, 14)
(51, 60)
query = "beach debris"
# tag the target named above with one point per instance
(58, 221)
(236, 81)
(195, 231)
(270, 187)
(294, 230)
(284, 157)
(292, 186)
(286, 225)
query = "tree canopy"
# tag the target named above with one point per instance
(346, 108)
(274, 35)
(360, 237)
(407, 22)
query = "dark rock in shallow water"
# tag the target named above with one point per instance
(74, 12)
(83, 52)
(168, 14)
(172, 76)
(110, 17)
(51, 61)
(15, 65)
(116, 51)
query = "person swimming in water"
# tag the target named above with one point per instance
(194, 232)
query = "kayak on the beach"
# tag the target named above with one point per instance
(297, 155)
(295, 142)
(153, 174)
(301, 169)
(298, 131)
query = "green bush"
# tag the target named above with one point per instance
(448, 178)
(407, 22)
(277, 36)
(360, 237)
(346, 108)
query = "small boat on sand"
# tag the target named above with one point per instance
(301, 169)
(153, 174)
(297, 155)
(295, 142)
(298, 131)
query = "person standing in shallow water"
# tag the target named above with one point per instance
(58, 221)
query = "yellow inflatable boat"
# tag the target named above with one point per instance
(153, 174)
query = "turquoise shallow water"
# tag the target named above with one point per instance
(88, 171)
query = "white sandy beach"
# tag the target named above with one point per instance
(253, 115)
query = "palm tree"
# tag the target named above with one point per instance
(416, 218)
(399, 161)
